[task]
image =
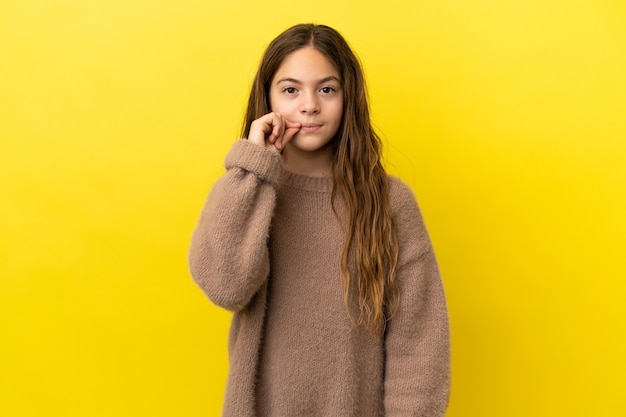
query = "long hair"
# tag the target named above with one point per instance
(370, 242)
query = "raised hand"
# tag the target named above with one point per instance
(272, 131)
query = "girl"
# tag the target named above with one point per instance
(338, 304)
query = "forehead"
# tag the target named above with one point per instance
(306, 64)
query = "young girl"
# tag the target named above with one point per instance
(324, 259)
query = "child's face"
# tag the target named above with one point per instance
(307, 89)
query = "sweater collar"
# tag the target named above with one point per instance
(306, 183)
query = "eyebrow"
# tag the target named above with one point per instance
(294, 81)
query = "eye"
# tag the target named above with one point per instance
(289, 90)
(327, 90)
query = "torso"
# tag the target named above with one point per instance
(313, 361)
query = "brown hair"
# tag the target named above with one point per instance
(359, 177)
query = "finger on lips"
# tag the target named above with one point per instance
(275, 130)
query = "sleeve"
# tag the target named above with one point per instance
(417, 363)
(228, 257)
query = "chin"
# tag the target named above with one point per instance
(309, 144)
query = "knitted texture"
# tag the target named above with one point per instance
(268, 247)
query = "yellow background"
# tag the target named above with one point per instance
(508, 118)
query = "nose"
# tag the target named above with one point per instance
(309, 103)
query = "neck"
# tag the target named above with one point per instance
(312, 164)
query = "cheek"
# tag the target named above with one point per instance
(338, 113)
(280, 106)
(279, 103)
(275, 101)
(272, 101)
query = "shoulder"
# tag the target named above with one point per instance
(398, 189)
(401, 197)
(408, 218)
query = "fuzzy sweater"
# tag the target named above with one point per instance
(268, 248)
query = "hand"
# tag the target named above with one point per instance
(272, 131)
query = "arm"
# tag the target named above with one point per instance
(229, 256)
(417, 375)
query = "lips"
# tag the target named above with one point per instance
(309, 127)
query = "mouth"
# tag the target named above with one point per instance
(310, 127)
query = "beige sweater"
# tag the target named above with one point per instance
(268, 247)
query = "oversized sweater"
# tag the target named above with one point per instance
(268, 247)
